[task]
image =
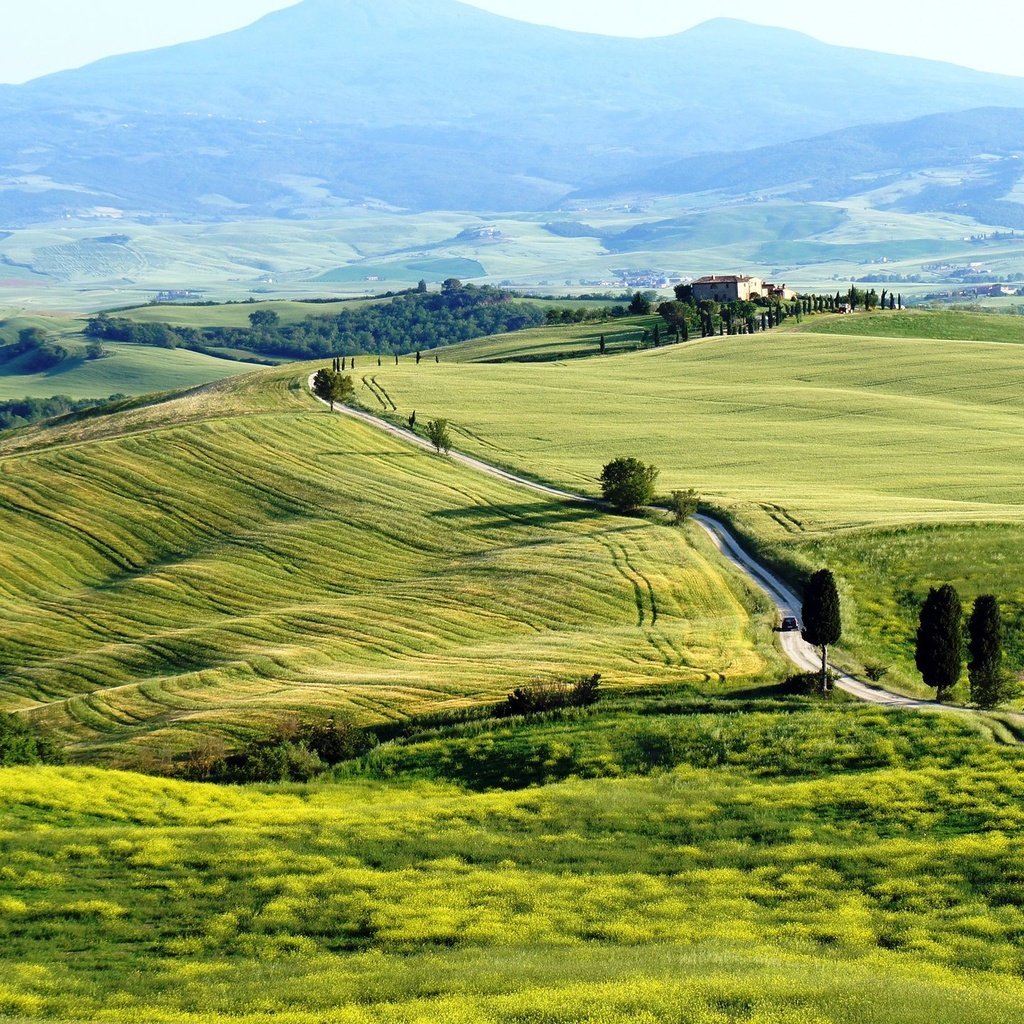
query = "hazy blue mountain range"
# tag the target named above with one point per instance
(434, 106)
(902, 164)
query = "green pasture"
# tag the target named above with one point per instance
(125, 369)
(542, 344)
(944, 325)
(234, 314)
(212, 563)
(762, 864)
(821, 447)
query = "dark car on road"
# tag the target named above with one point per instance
(789, 625)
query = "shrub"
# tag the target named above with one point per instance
(549, 696)
(810, 684)
(437, 434)
(682, 505)
(21, 744)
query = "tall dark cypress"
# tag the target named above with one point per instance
(985, 644)
(940, 638)
(823, 624)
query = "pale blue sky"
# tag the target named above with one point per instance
(47, 35)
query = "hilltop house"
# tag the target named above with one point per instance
(738, 288)
(726, 288)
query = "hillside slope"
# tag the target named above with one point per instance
(208, 565)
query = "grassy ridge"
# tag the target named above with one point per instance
(205, 565)
(948, 325)
(740, 893)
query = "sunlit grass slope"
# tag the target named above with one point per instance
(826, 449)
(838, 432)
(777, 888)
(126, 370)
(540, 344)
(211, 562)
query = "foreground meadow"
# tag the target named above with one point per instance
(894, 460)
(203, 567)
(752, 861)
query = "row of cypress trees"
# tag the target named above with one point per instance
(940, 638)
(940, 645)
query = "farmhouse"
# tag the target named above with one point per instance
(727, 288)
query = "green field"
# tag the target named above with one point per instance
(703, 845)
(894, 459)
(541, 344)
(767, 863)
(210, 564)
(125, 369)
(948, 325)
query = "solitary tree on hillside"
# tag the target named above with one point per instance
(333, 387)
(985, 632)
(628, 483)
(820, 612)
(940, 640)
(437, 434)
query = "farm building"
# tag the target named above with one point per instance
(727, 288)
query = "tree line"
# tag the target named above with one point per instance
(409, 322)
(20, 412)
(686, 317)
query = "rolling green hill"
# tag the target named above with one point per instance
(212, 563)
(895, 459)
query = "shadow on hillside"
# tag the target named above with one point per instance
(551, 513)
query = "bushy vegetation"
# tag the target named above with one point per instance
(35, 351)
(537, 698)
(23, 411)
(746, 860)
(409, 322)
(296, 753)
(21, 744)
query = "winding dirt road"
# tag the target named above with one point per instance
(800, 653)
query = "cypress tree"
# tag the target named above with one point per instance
(940, 637)
(985, 631)
(602, 344)
(822, 622)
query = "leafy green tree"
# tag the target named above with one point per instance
(682, 505)
(438, 436)
(939, 653)
(821, 617)
(985, 644)
(333, 387)
(264, 320)
(628, 483)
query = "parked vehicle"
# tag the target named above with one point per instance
(789, 625)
